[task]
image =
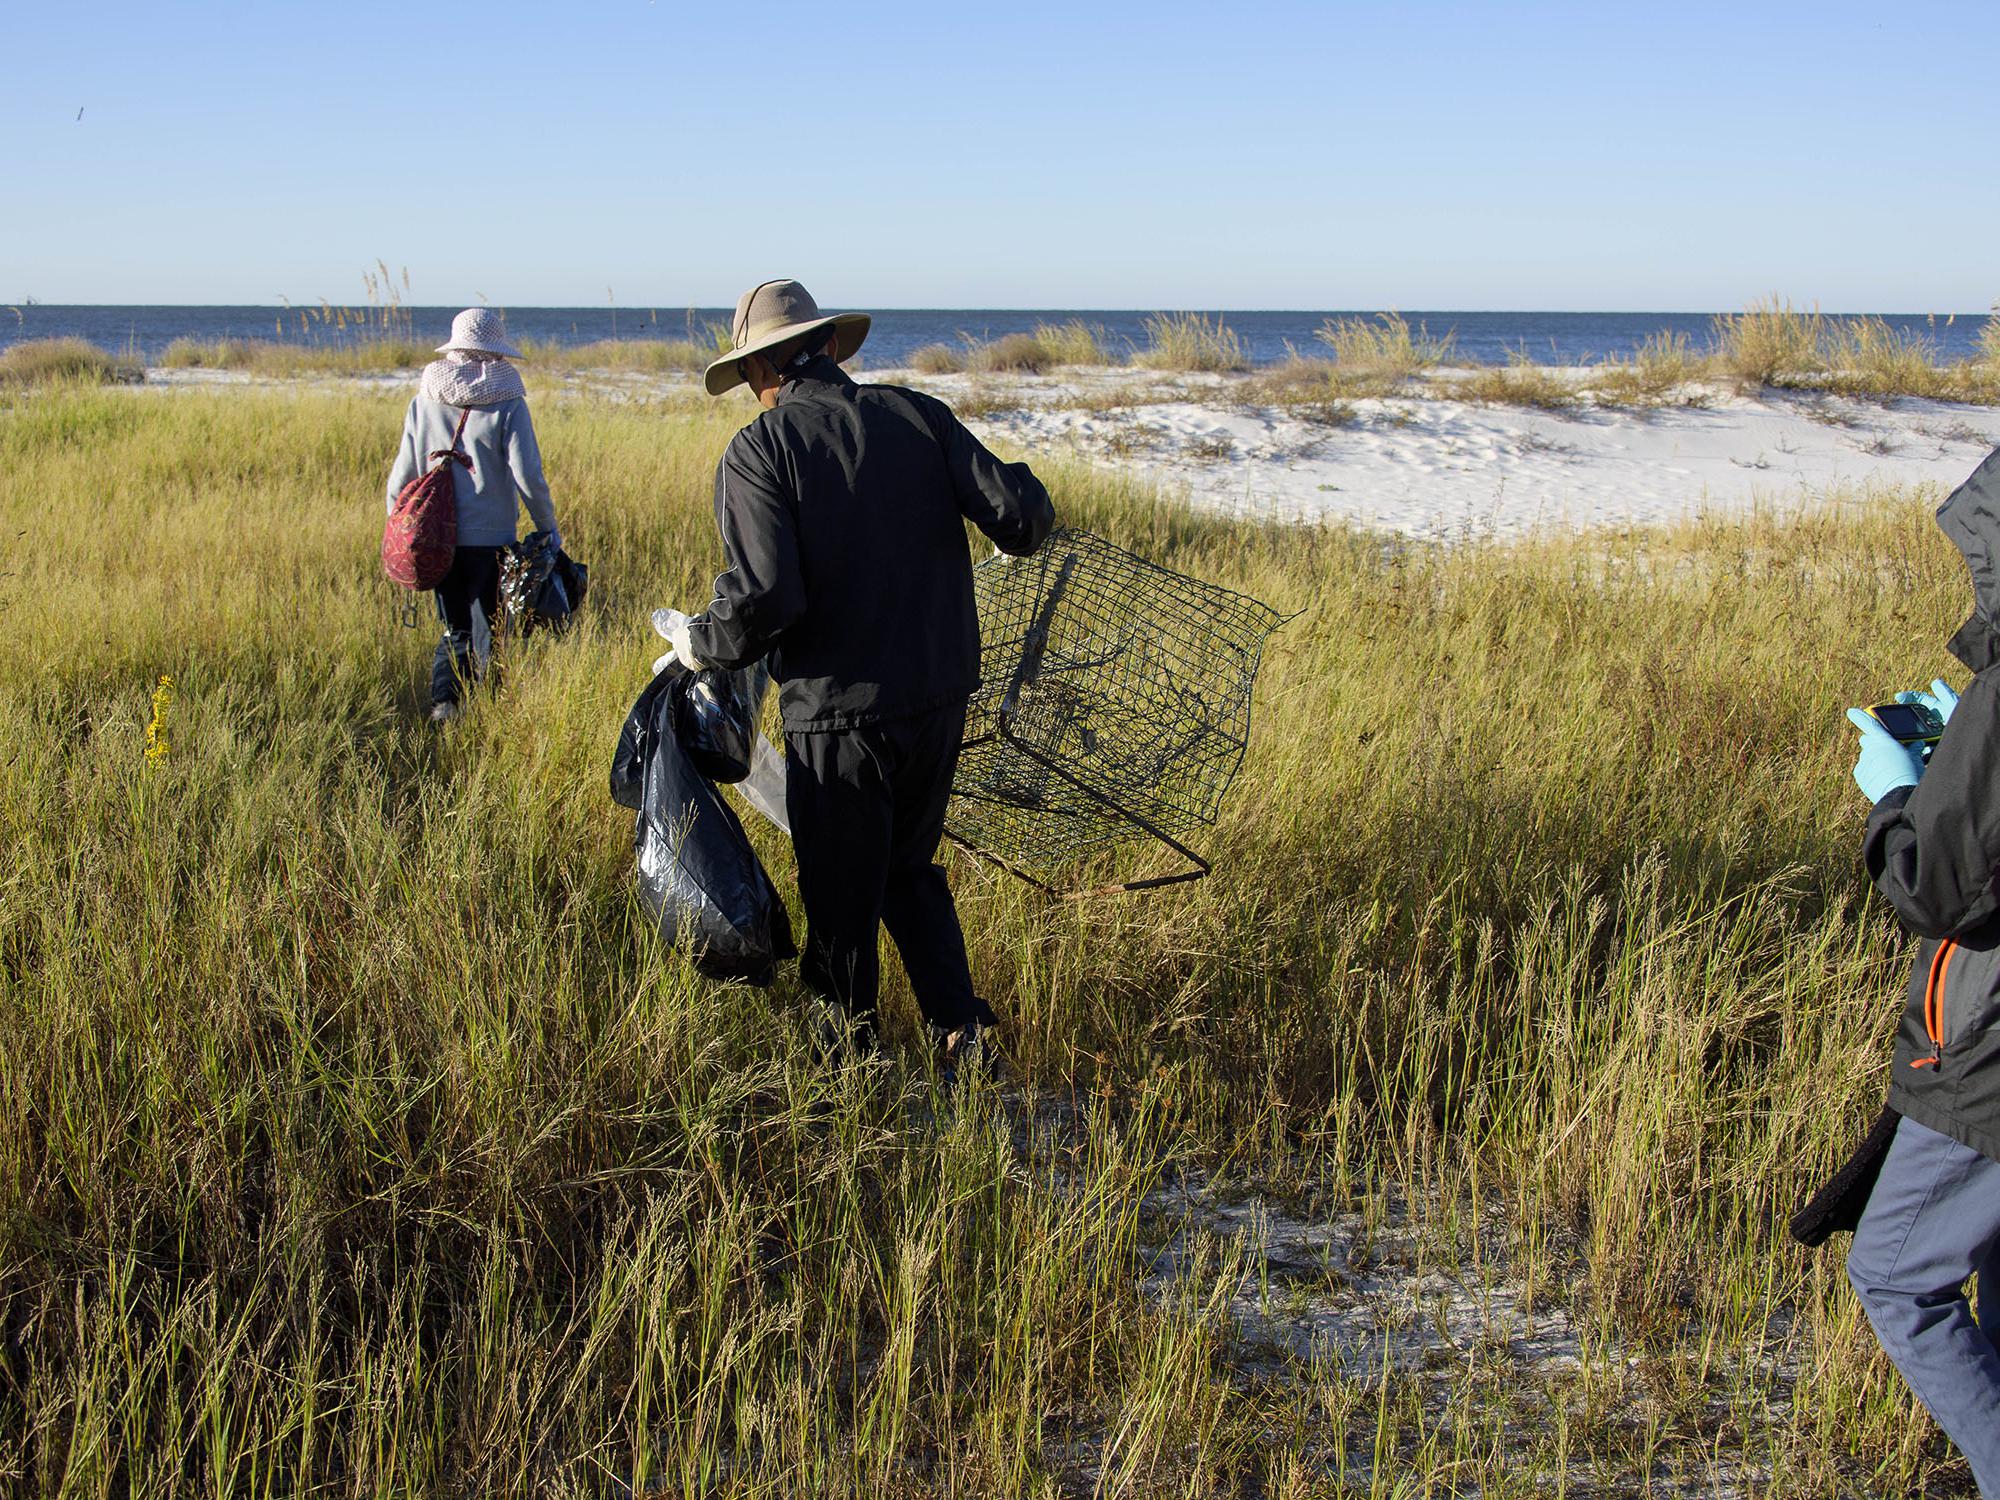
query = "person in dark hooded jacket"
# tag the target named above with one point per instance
(1932, 848)
(842, 511)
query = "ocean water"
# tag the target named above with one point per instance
(1482, 337)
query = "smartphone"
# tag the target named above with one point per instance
(1912, 723)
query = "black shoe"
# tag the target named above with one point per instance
(965, 1054)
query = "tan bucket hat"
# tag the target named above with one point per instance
(772, 312)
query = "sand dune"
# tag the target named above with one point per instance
(1442, 469)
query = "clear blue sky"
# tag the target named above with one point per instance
(1220, 155)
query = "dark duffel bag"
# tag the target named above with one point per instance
(541, 586)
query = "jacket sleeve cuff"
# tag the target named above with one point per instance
(713, 652)
(1891, 802)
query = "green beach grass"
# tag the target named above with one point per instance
(360, 1140)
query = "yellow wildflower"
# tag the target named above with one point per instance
(156, 732)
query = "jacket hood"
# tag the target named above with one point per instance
(1970, 516)
(461, 380)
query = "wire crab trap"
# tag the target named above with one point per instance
(1114, 705)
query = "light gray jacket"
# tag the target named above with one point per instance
(506, 466)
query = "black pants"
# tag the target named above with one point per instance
(468, 596)
(867, 810)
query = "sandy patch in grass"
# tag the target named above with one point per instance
(1382, 1297)
(1359, 1290)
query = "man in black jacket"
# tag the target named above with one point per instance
(1932, 1221)
(842, 511)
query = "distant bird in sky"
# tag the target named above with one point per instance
(80, 110)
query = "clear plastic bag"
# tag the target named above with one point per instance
(764, 788)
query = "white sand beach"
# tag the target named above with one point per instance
(1441, 469)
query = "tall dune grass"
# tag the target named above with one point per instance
(645, 356)
(1771, 343)
(1663, 370)
(1519, 382)
(1192, 342)
(1866, 357)
(1014, 354)
(1035, 352)
(366, 356)
(938, 359)
(360, 1140)
(373, 355)
(1075, 342)
(46, 361)
(1315, 390)
(1774, 344)
(1379, 355)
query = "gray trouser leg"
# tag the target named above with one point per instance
(1933, 1223)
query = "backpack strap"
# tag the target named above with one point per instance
(454, 452)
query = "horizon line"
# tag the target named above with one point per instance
(1054, 307)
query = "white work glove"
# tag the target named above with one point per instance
(673, 627)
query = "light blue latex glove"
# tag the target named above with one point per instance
(1885, 762)
(1941, 700)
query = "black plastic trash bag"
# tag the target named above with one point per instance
(699, 879)
(541, 588)
(715, 719)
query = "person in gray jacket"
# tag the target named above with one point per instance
(842, 509)
(475, 379)
(1932, 1219)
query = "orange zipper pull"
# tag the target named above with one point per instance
(1934, 1005)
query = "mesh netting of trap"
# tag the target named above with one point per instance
(1114, 694)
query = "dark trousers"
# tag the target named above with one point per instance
(468, 596)
(867, 810)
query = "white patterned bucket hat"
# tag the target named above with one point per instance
(770, 313)
(479, 330)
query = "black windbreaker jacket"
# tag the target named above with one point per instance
(1933, 850)
(840, 511)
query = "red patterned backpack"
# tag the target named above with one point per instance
(422, 531)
